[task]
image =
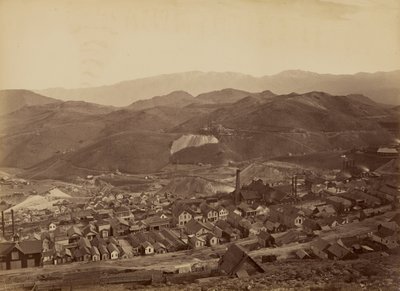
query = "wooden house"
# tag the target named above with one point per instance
(236, 262)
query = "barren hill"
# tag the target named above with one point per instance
(12, 100)
(174, 99)
(74, 138)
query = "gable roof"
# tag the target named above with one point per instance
(338, 251)
(266, 236)
(311, 224)
(103, 249)
(74, 230)
(234, 258)
(94, 251)
(112, 248)
(320, 244)
(205, 208)
(84, 242)
(6, 247)
(30, 246)
(250, 195)
(194, 226)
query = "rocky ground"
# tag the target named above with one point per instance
(370, 272)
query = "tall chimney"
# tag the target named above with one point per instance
(237, 188)
(12, 220)
(295, 186)
(3, 225)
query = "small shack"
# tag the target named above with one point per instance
(236, 262)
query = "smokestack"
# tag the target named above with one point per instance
(12, 220)
(292, 185)
(295, 186)
(3, 225)
(237, 188)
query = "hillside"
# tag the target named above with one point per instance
(314, 111)
(12, 100)
(174, 99)
(382, 87)
(129, 152)
(187, 187)
(160, 119)
(78, 138)
(36, 133)
(222, 96)
(293, 124)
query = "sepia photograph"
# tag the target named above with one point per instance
(199, 145)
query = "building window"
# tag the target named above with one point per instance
(14, 255)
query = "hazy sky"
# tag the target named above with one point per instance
(79, 43)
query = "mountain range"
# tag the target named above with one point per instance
(65, 139)
(382, 87)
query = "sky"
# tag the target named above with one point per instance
(85, 43)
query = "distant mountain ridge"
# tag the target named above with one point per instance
(382, 87)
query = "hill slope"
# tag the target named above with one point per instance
(77, 138)
(12, 100)
(173, 99)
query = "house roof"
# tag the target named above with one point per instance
(146, 244)
(390, 224)
(234, 258)
(89, 229)
(112, 248)
(103, 249)
(158, 246)
(387, 150)
(265, 236)
(155, 221)
(341, 200)
(384, 232)
(320, 244)
(311, 224)
(6, 247)
(326, 209)
(250, 195)
(245, 207)
(302, 254)
(121, 209)
(194, 226)
(194, 238)
(84, 242)
(94, 251)
(74, 230)
(271, 225)
(205, 208)
(349, 242)
(31, 246)
(337, 250)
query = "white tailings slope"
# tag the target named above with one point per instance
(57, 193)
(191, 140)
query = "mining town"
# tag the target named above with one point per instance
(93, 234)
(199, 145)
